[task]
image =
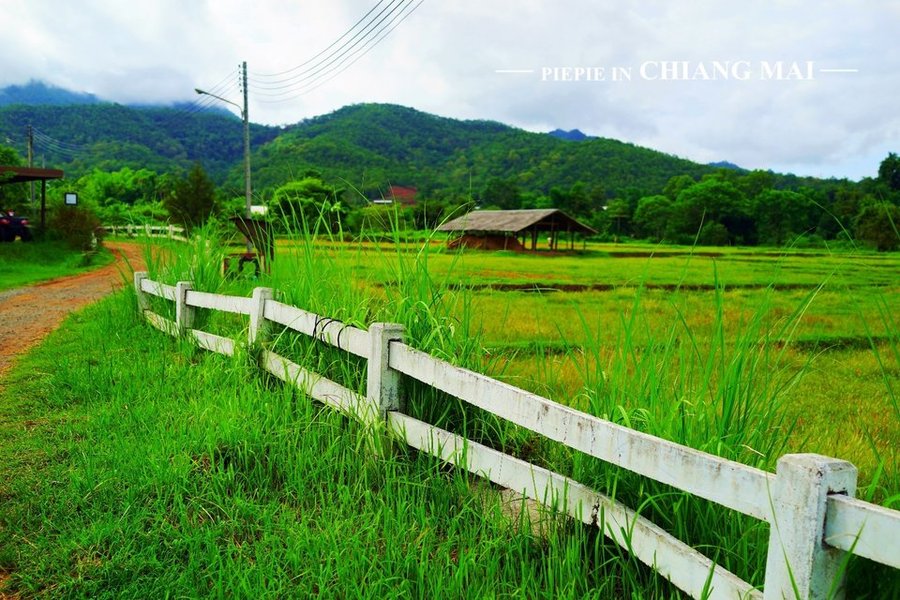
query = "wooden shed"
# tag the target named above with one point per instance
(513, 229)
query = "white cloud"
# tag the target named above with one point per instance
(443, 59)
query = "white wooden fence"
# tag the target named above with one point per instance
(171, 232)
(814, 518)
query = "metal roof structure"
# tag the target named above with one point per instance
(10, 174)
(13, 174)
(516, 221)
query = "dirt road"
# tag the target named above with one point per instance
(28, 314)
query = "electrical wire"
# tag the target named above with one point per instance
(345, 34)
(180, 115)
(220, 88)
(353, 57)
(342, 50)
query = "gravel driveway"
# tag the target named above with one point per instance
(28, 314)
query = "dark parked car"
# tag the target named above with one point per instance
(13, 226)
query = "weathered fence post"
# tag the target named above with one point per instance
(258, 323)
(184, 314)
(799, 564)
(170, 234)
(382, 383)
(142, 302)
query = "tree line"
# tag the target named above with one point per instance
(335, 165)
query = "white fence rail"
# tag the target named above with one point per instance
(814, 519)
(171, 232)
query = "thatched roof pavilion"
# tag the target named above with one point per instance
(501, 229)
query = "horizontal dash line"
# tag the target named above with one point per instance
(838, 70)
(513, 70)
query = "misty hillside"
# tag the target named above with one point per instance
(366, 146)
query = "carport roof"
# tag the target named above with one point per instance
(11, 174)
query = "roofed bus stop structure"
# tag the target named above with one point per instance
(11, 174)
(514, 229)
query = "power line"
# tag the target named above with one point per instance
(336, 54)
(220, 88)
(345, 34)
(52, 145)
(180, 115)
(337, 69)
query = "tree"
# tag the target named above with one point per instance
(756, 182)
(677, 184)
(502, 193)
(780, 215)
(711, 201)
(619, 213)
(889, 171)
(12, 196)
(652, 216)
(193, 201)
(427, 214)
(879, 225)
(308, 202)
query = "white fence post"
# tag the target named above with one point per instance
(382, 383)
(184, 314)
(799, 564)
(258, 323)
(143, 303)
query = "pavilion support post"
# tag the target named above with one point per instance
(43, 204)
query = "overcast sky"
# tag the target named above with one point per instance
(801, 86)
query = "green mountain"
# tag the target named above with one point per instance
(81, 137)
(371, 146)
(366, 147)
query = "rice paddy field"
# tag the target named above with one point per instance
(560, 323)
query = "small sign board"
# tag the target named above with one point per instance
(71, 199)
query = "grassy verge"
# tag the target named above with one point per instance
(33, 262)
(132, 467)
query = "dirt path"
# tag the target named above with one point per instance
(28, 314)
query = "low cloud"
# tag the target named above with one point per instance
(444, 59)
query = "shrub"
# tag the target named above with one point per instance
(77, 226)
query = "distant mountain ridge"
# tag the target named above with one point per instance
(724, 164)
(39, 93)
(364, 147)
(573, 135)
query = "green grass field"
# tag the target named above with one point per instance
(134, 465)
(829, 320)
(27, 263)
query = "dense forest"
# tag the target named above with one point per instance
(128, 161)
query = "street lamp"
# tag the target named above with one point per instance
(246, 118)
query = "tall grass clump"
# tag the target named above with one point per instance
(135, 465)
(718, 387)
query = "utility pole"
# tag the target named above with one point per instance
(31, 162)
(247, 188)
(245, 115)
